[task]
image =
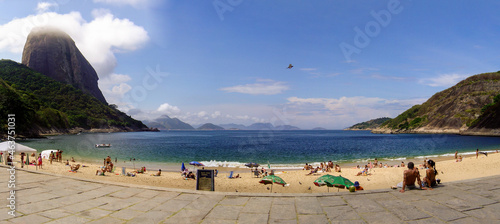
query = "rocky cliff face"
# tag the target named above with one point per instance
(54, 54)
(456, 110)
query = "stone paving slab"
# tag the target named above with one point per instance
(48, 198)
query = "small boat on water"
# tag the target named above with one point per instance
(102, 145)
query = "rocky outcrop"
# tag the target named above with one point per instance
(54, 54)
(368, 125)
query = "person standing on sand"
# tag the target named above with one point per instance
(22, 159)
(456, 154)
(477, 153)
(409, 177)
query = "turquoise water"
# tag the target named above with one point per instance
(285, 149)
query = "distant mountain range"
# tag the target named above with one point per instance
(166, 123)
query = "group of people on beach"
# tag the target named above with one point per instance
(323, 167)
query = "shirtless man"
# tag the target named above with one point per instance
(409, 177)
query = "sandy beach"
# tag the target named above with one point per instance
(378, 178)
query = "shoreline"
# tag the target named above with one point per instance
(299, 182)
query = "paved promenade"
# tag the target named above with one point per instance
(43, 198)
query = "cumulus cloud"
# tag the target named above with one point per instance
(445, 80)
(99, 40)
(45, 6)
(114, 87)
(261, 87)
(168, 109)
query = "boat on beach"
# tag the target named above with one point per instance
(102, 145)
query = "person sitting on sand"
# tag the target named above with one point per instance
(142, 170)
(459, 158)
(67, 163)
(430, 175)
(109, 167)
(74, 168)
(375, 163)
(185, 172)
(190, 175)
(337, 168)
(306, 167)
(357, 186)
(402, 164)
(157, 174)
(72, 159)
(100, 172)
(328, 169)
(409, 177)
(314, 171)
(364, 172)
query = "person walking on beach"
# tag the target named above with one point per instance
(456, 154)
(409, 177)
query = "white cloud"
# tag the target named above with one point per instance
(98, 40)
(168, 109)
(216, 114)
(114, 87)
(46, 6)
(202, 114)
(344, 111)
(445, 80)
(261, 87)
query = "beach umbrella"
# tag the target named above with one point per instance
(272, 179)
(196, 163)
(322, 181)
(252, 165)
(340, 182)
(183, 167)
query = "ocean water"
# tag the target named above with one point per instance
(281, 149)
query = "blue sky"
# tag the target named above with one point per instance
(225, 61)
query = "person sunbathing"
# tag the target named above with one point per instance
(157, 174)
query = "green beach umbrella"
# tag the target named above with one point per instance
(322, 181)
(271, 179)
(340, 182)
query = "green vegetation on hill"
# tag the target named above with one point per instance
(459, 108)
(369, 125)
(42, 104)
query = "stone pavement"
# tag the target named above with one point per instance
(47, 198)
